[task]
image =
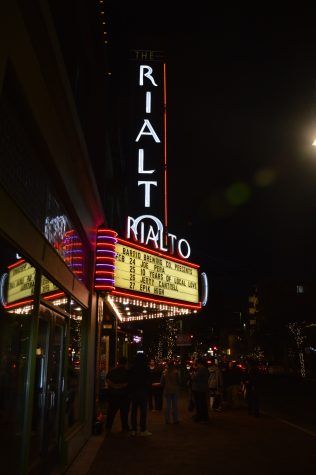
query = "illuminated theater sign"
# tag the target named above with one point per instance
(147, 275)
(141, 271)
(133, 274)
(147, 222)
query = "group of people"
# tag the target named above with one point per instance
(147, 386)
(241, 385)
(215, 387)
(142, 387)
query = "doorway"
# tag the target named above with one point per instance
(48, 387)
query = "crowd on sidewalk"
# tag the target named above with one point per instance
(150, 386)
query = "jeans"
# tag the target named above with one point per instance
(155, 399)
(118, 402)
(171, 406)
(201, 405)
(139, 403)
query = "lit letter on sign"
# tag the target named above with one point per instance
(150, 131)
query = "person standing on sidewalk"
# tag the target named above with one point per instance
(170, 381)
(233, 379)
(215, 384)
(117, 381)
(200, 391)
(138, 386)
(155, 390)
(251, 380)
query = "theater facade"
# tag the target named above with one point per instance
(145, 274)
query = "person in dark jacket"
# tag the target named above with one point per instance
(138, 385)
(170, 381)
(252, 387)
(233, 381)
(200, 390)
(155, 390)
(117, 382)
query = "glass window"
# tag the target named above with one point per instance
(74, 371)
(17, 279)
(63, 237)
(52, 294)
(28, 179)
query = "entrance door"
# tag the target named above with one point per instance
(47, 392)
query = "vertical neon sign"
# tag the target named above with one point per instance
(149, 147)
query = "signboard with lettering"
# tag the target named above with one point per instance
(150, 265)
(145, 135)
(140, 271)
(145, 139)
(21, 282)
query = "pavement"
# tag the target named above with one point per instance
(231, 443)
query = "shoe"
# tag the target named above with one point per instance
(145, 433)
(133, 432)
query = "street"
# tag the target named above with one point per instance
(279, 441)
(289, 398)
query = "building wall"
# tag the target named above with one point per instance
(43, 146)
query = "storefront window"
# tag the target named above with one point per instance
(17, 279)
(73, 378)
(73, 312)
(62, 235)
(25, 176)
(53, 295)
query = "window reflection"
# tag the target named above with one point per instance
(74, 365)
(17, 286)
(62, 235)
(54, 295)
(16, 306)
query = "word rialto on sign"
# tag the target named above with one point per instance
(147, 228)
(140, 229)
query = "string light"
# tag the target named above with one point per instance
(296, 329)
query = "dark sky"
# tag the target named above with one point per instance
(241, 118)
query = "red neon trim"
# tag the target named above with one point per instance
(16, 264)
(100, 258)
(104, 272)
(166, 302)
(157, 253)
(104, 287)
(18, 304)
(53, 296)
(165, 144)
(105, 244)
(108, 231)
(75, 245)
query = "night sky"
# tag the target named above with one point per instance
(241, 120)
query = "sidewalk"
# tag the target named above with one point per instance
(232, 443)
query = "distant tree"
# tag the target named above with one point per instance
(296, 328)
